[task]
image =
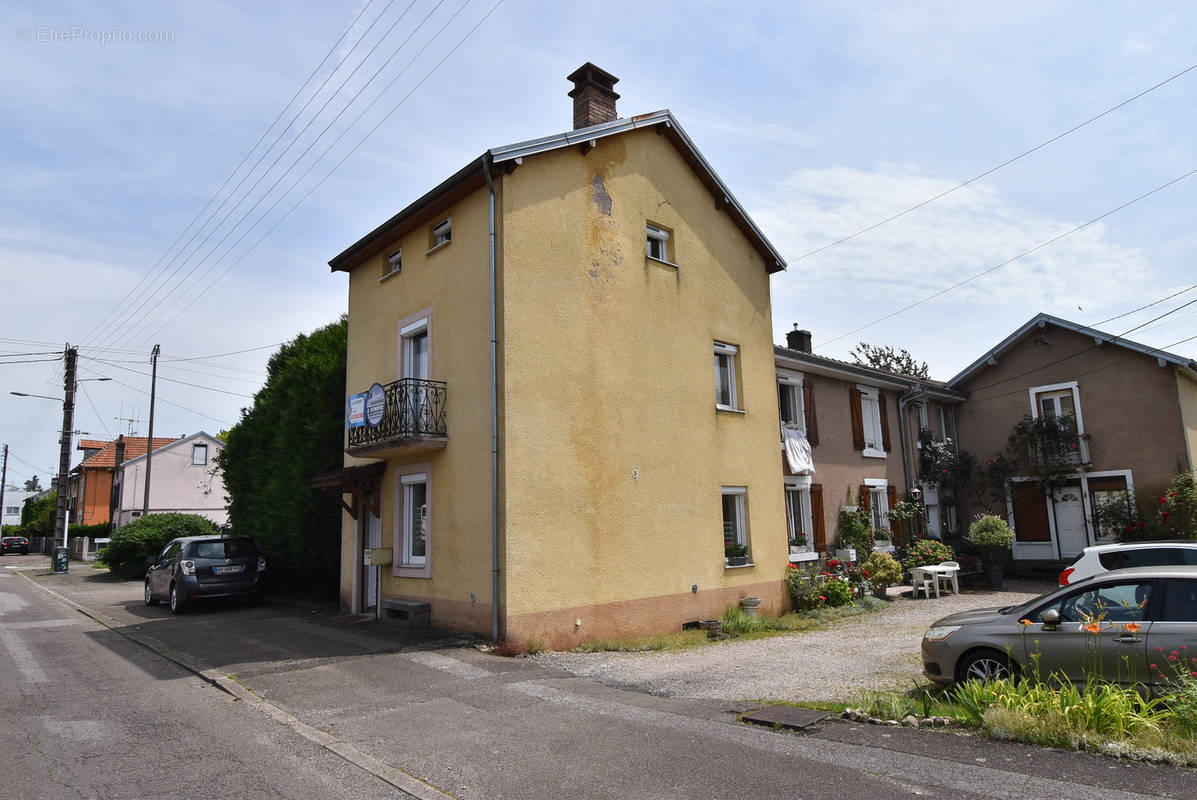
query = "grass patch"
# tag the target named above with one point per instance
(1053, 712)
(738, 626)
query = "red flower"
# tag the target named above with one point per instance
(1162, 500)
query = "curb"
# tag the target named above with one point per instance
(384, 772)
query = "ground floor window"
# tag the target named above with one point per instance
(415, 518)
(1109, 493)
(735, 529)
(799, 522)
(879, 507)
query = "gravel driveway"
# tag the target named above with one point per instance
(875, 651)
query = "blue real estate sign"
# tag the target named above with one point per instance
(355, 414)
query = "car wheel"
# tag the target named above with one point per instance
(984, 665)
(149, 595)
(177, 604)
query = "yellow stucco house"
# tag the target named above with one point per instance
(561, 397)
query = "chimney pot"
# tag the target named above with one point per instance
(798, 340)
(594, 96)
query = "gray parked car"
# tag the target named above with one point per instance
(1129, 625)
(202, 567)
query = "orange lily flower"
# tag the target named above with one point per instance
(1132, 627)
(1092, 627)
(1025, 622)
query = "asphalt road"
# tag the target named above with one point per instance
(330, 708)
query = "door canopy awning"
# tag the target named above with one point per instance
(360, 481)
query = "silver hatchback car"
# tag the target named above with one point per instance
(1130, 626)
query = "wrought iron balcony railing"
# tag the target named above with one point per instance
(414, 411)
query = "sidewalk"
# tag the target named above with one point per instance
(435, 717)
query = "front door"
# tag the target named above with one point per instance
(1072, 534)
(371, 538)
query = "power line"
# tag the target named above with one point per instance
(32, 361)
(168, 402)
(156, 306)
(992, 170)
(99, 326)
(103, 424)
(335, 166)
(1011, 260)
(1149, 305)
(169, 380)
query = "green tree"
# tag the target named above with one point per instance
(887, 359)
(33, 485)
(294, 431)
(37, 516)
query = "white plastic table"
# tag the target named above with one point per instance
(931, 573)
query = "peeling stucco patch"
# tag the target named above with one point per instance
(601, 198)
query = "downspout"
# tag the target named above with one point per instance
(494, 419)
(917, 392)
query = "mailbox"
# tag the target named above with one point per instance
(377, 557)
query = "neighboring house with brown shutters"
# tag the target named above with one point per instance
(862, 428)
(1136, 405)
(90, 485)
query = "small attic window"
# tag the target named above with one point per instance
(394, 263)
(441, 234)
(658, 243)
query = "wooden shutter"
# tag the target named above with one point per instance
(857, 419)
(808, 410)
(884, 422)
(816, 513)
(864, 497)
(1030, 513)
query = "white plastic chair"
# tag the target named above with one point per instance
(924, 580)
(948, 576)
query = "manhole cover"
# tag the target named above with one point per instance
(785, 716)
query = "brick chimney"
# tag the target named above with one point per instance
(594, 96)
(798, 340)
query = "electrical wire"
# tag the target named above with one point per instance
(992, 170)
(1008, 261)
(103, 424)
(171, 380)
(1149, 305)
(171, 403)
(336, 166)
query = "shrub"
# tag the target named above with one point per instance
(90, 531)
(926, 551)
(988, 530)
(805, 588)
(853, 531)
(837, 590)
(883, 569)
(126, 554)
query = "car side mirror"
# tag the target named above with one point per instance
(150, 560)
(1051, 619)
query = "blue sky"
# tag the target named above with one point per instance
(122, 120)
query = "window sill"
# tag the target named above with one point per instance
(661, 261)
(869, 453)
(738, 566)
(809, 555)
(729, 409)
(440, 246)
(389, 275)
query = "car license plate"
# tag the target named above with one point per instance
(227, 570)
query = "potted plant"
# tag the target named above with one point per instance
(883, 569)
(735, 554)
(993, 538)
(882, 541)
(852, 536)
(797, 544)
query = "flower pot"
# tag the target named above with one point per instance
(846, 555)
(879, 591)
(737, 561)
(750, 605)
(993, 576)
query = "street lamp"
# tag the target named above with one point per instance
(64, 462)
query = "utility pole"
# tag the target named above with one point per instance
(3, 480)
(68, 426)
(149, 445)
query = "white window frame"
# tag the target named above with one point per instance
(1058, 389)
(657, 238)
(441, 234)
(196, 448)
(394, 263)
(878, 502)
(1087, 498)
(924, 418)
(408, 482)
(407, 335)
(740, 493)
(870, 420)
(797, 489)
(731, 353)
(791, 383)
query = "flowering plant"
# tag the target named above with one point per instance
(925, 551)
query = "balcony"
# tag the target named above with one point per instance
(413, 416)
